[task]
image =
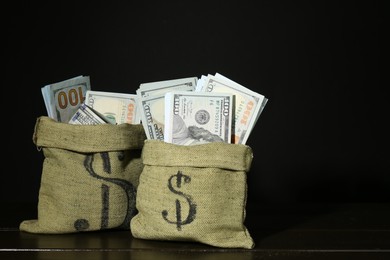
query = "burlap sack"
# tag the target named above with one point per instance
(193, 193)
(89, 177)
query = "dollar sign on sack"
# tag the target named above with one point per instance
(173, 187)
(82, 224)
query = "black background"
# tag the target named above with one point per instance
(319, 138)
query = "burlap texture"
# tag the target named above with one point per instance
(89, 176)
(193, 193)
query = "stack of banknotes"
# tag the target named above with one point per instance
(185, 111)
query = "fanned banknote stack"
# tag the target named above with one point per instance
(86, 115)
(248, 104)
(62, 99)
(151, 103)
(118, 108)
(185, 111)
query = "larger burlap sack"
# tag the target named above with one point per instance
(89, 176)
(194, 193)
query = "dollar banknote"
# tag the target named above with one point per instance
(87, 116)
(264, 102)
(153, 116)
(62, 99)
(161, 87)
(151, 100)
(117, 107)
(247, 104)
(198, 117)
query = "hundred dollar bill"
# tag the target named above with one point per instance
(164, 86)
(87, 116)
(198, 117)
(265, 100)
(117, 107)
(247, 105)
(152, 116)
(62, 99)
(159, 88)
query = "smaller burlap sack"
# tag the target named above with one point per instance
(193, 193)
(89, 176)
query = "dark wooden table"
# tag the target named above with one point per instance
(281, 231)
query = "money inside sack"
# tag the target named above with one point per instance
(185, 111)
